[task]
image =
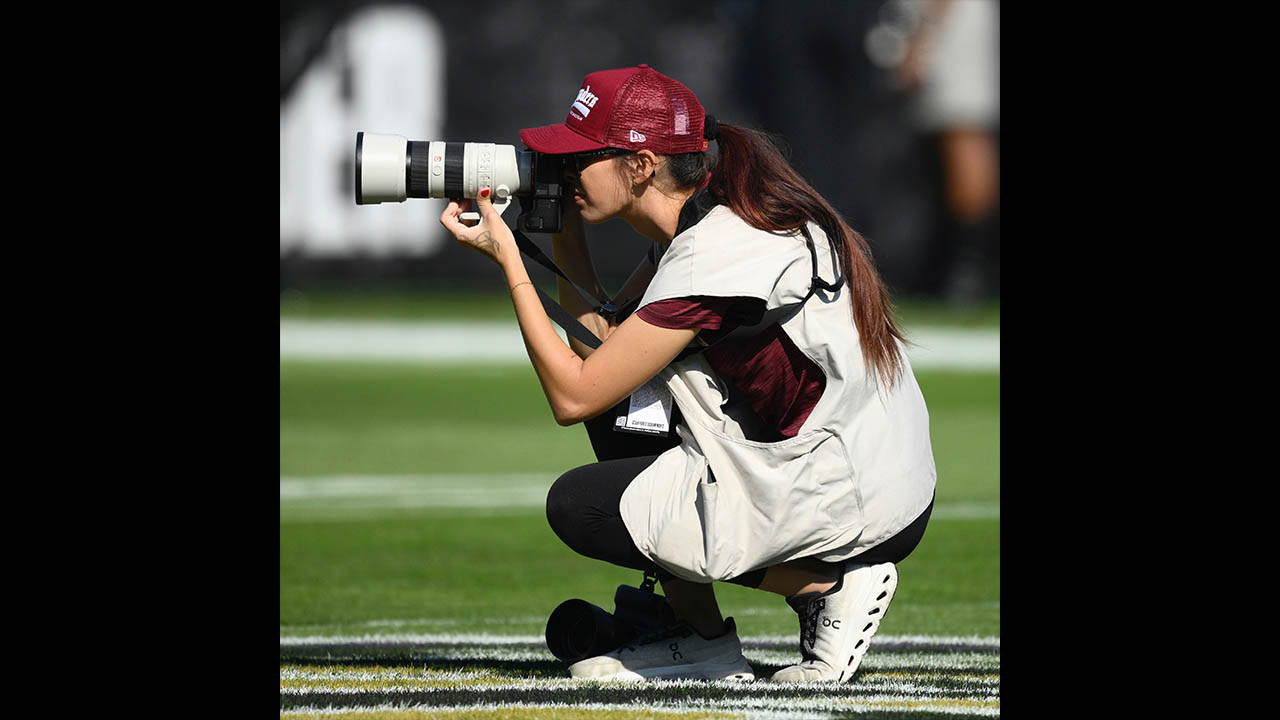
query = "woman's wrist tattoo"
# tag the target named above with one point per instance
(487, 243)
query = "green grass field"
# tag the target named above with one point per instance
(411, 521)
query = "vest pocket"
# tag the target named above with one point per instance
(837, 483)
(706, 502)
(780, 500)
(683, 501)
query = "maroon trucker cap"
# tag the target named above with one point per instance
(630, 108)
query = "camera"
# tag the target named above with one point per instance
(578, 630)
(391, 168)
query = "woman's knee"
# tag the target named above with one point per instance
(564, 506)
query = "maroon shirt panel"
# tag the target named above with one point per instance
(782, 384)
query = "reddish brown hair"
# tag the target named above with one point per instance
(753, 178)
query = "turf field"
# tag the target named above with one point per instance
(417, 569)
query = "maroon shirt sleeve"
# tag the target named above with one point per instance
(707, 313)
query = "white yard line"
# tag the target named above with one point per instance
(907, 641)
(417, 342)
(499, 709)
(500, 343)
(904, 673)
(753, 709)
(358, 497)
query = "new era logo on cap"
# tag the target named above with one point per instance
(636, 137)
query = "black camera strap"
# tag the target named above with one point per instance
(567, 321)
(556, 312)
(606, 308)
(603, 306)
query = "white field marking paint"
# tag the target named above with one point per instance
(418, 491)
(941, 348)
(352, 498)
(925, 681)
(903, 641)
(311, 711)
(500, 343)
(756, 713)
(454, 621)
(435, 622)
(484, 343)
(357, 485)
(414, 639)
(756, 702)
(427, 681)
(882, 659)
(409, 671)
(901, 696)
(747, 696)
(360, 497)
(883, 677)
(420, 678)
(498, 708)
(337, 514)
(903, 680)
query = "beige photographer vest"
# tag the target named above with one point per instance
(858, 471)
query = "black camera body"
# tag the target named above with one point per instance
(541, 210)
(578, 630)
(391, 168)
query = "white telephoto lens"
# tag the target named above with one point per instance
(474, 165)
(390, 168)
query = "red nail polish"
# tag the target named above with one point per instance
(484, 192)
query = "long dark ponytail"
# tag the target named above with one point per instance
(753, 178)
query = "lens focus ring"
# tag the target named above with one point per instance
(418, 170)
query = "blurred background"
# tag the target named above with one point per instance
(890, 108)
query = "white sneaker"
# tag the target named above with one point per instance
(676, 653)
(836, 626)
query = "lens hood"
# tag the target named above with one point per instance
(578, 630)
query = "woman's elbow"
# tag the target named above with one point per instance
(565, 420)
(571, 413)
(567, 414)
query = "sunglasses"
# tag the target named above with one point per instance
(578, 161)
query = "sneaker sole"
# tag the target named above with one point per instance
(877, 598)
(738, 671)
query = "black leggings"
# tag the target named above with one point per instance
(583, 505)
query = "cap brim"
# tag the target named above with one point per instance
(558, 139)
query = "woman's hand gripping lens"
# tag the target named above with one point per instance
(489, 236)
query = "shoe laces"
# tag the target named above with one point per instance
(809, 625)
(681, 630)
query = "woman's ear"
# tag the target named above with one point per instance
(644, 166)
